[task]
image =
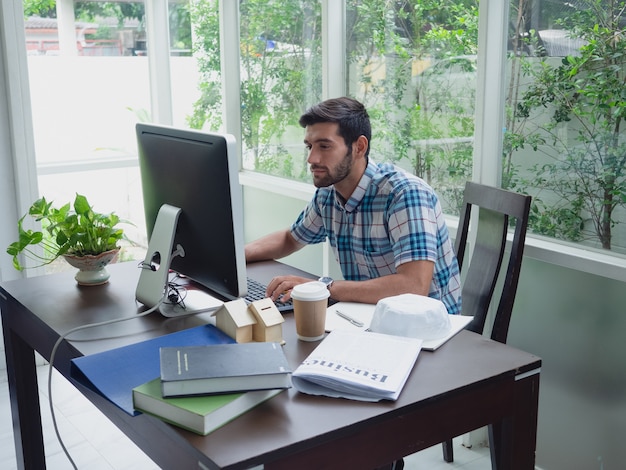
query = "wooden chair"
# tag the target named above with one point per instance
(496, 209)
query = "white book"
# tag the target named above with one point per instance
(359, 365)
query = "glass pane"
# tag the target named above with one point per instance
(280, 77)
(413, 64)
(206, 110)
(185, 75)
(565, 140)
(86, 93)
(89, 85)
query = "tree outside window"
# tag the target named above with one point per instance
(280, 72)
(565, 141)
(413, 63)
(400, 54)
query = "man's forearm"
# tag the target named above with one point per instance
(273, 246)
(412, 278)
(371, 291)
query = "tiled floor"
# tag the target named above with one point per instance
(95, 443)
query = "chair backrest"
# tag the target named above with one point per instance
(496, 207)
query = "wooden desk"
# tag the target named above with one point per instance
(467, 383)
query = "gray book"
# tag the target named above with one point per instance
(223, 368)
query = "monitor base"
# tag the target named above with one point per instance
(195, 302)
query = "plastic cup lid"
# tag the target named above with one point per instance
(313, 290)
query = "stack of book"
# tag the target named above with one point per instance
(201, 388)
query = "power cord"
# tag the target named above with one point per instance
(53, 354)
(176, 294)
(170, 291)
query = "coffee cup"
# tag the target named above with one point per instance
(310, 301)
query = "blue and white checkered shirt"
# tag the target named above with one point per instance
(391, 218)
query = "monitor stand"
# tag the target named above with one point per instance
(195, 301)
(154, 278)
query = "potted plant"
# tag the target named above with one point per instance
(86, 239)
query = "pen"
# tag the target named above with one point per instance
(354, 321)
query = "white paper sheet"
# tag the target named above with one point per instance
(364, 313)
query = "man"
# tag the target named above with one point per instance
(385, 226)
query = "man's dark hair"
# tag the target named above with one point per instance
(350, 114)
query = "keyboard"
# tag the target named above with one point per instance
(256, 291)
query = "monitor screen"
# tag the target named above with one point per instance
(197, 172)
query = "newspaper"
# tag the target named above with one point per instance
(358, 365)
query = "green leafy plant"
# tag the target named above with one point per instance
(70, 230)
(281, 75)
(572, 112)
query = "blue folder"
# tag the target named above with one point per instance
(115, 373)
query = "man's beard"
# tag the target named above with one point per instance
(340, 172)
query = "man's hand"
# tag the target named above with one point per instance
(280, 287)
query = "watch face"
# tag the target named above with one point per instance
(326, 280)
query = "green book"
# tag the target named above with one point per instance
(200, 414)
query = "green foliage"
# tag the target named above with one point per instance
(43, 8)
(281, 77)
(89, 11)
(424, 128)
(180, 26)
(563, 223)
(78, 232)
(280, 74)
(207, 111)
(584, 101)
(280, 46)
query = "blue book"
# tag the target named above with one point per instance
(115, 373)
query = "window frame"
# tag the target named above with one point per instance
(488, 137)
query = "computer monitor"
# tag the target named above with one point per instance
(198, 173)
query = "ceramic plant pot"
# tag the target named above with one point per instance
(92, 268)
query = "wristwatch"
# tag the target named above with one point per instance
(327, 280)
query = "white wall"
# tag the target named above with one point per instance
(259, 221)
(576, 322)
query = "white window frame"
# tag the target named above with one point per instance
(487, 163)
(18, 183)
(488, 139)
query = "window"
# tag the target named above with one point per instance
(398, 72)
(414, 66)
(565, 142)
(280, 70)
(87, 93)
